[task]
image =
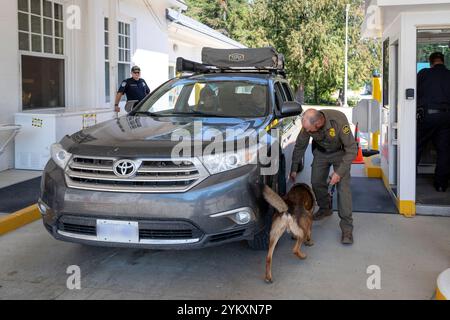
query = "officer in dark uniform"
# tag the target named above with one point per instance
(135, 88)
(433, 115)
(333, 145)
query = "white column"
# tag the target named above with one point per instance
(72, 61)
(407, 111)
(95, 55)
(113, 49)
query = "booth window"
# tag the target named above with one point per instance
(42, 82)
(41, 44)
(386, 73)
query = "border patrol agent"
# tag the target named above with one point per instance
(135, 88)
(433, 115)
(333, 145)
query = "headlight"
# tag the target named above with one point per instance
(59, 155)
(217, 163)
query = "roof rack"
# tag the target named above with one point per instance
(185, 66)
(260, 60)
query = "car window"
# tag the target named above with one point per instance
(288, 92)
(279, 96)
(219, 98)
(280, 91)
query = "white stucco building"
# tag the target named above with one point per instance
(68, 57)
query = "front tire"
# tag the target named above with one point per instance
(278, 182)
(261, 240)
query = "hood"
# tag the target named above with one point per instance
(157, 136)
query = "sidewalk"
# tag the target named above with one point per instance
(10, 177)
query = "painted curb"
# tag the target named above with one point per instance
(19, 219)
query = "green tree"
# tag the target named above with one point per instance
(229, 17)
(310, 33)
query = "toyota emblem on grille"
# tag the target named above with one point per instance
(125, 168)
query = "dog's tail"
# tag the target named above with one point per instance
(274, 199)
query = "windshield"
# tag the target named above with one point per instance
(211, 98)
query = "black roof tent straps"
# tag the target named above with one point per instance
(259, 60)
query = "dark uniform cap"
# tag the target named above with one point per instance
(135, 68)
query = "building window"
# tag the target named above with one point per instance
(107, 82)
(41, 26)
(124, 55)
(124, 58)
(42, 82)
(41, 34)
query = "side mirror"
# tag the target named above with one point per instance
(291, 108)
(130, 105)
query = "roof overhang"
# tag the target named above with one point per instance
(180, 22)
(372, 26)
(179, 4)
(373, 22)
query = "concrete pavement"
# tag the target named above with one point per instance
(410, 253)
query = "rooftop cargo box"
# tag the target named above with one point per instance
(259, 58)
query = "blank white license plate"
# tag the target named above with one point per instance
(117, 231)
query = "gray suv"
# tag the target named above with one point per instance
(119, 184)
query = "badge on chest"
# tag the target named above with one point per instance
(332, 133)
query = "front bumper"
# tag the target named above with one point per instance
(197, 218)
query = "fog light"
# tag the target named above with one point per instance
(42, 207)
(242, 217)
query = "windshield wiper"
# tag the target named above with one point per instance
(151, 114)
(200, 113)
(180, 113)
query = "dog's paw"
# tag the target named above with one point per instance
(309, 243)
(268, 281)
(300, 255)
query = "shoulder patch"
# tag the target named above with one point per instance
(346, 129)
(124, 83)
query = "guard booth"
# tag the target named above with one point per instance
(410, 30)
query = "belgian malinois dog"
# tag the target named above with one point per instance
(294, 215)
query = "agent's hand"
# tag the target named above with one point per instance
(335, 179)
(293, 176)
(116, 109)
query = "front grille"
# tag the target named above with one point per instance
(227, 236)
(78, 225)
(148, 230)
(152, 175)
(165, 234)
(78, 229)
(162, 230)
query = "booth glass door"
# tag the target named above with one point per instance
(429, 41)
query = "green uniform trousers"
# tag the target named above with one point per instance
(319, 176)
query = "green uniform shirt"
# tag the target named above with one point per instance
(334, 136)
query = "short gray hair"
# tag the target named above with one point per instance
(314, 116)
